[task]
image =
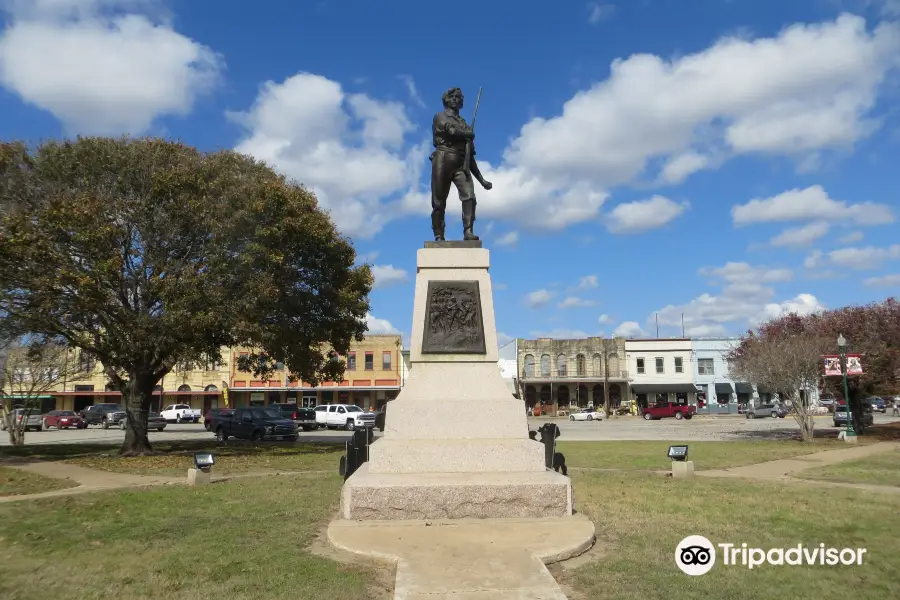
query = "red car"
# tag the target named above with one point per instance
(662, 410)
(63, 419)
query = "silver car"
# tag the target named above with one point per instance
(34, 419)
(840, 416)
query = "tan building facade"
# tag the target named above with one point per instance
(559, 375)
(372, 377)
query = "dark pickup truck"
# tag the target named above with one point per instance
(256, 424)
(302, 417)
(662, 410)
(105, 415)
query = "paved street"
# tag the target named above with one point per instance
(624, 428)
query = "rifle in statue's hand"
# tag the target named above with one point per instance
(467, 165)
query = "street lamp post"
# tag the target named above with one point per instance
(842, 343)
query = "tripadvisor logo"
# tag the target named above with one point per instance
(696, 555)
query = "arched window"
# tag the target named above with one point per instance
(211, 388)
(614, 365)
(596, 366)
(561, 365)
(184, 388)
(529, 365)
(562, 396)
(579, 365)
(545, 365)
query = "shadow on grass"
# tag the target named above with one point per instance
(234, 448)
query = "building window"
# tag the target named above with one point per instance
(679, 364)
(561, 365)
(662, 397)
(705, 366)
(545, 365)
(596, 370)
(579, 365)
(660, 365)
(351, 361)
(370, 361)
(386, 360)
(529, 365)
(640, 366)
(279, 366)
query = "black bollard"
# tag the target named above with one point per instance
(357, 451)
(549, 432)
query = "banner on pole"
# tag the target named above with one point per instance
(833, 365)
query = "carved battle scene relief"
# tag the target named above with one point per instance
(453, 320)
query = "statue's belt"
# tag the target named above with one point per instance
(452, 151)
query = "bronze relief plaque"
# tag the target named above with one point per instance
(453, 320)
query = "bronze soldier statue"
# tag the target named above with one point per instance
(453, 148)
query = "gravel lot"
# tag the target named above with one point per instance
(623, 428)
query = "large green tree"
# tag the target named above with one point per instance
(147, 252)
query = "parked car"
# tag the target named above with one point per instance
(878, 404)
(104, 415)
(302, 417)
(663, 410)
(180, 413)
(210, 419)
(33, 419)
(63, 419)
(840, 416)
(776, 411)
(154, 421)
(587, 414)
(348, 416)
(256, 424)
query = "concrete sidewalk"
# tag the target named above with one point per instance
(469, 559)
(784, 468)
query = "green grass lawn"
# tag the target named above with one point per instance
(14, 482)
(231, 459)
(880, 469)
(633, 455)
(240, 540)
(642, 517)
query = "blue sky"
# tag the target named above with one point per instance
(724, 160)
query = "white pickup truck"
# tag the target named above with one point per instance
(347, 416)
(180, 413)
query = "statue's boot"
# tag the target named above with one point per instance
(468, 219)
(437, 226)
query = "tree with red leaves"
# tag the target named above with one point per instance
(872, 330)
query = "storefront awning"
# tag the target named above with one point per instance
(331, 388)
(743, 388)
(724, 388)
(661, 388)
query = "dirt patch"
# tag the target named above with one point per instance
(381, 575)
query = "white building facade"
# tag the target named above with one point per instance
(661, 371)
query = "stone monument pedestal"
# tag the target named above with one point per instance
(456, 442)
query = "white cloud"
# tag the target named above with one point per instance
(604, 319)
(810, 204)
(377, 326)
(587, 282)
(883, 281)
(388, 275)
(852, 237)
(869, 257)
(628, 329)
(410, 84)
(500, 286)
(348, 148)
(800, 236)
(644, 215)
(575, 302)
(802, 304)
(508, 239)
(100, 69)
(598, 12)
(745, 299)
(681, 166)
(538, 298)
(368, 257)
